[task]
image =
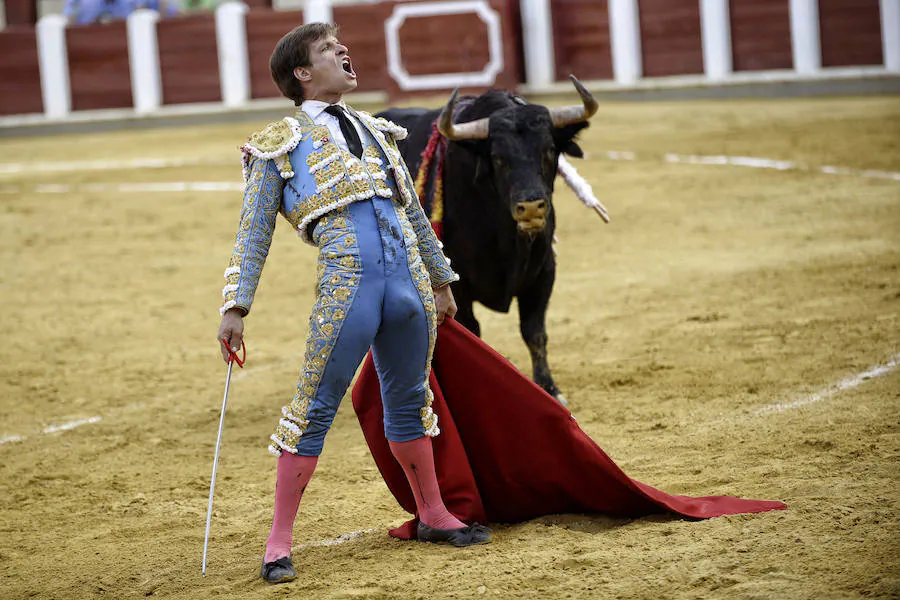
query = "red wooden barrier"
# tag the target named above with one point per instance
(445, 44)
(850, 32)
(581, 39)
(362, 30)
(761, 35)
(98, 66)
(670, 41)
(670, 37)
(20, 79)
(264, 29)
(188, 59)
(21, 12)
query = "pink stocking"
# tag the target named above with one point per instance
(417, 459)
(294, 473)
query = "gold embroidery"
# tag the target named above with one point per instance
(271, 138)
(339, 280)
(422, 282)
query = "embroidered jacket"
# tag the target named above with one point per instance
(293, 167)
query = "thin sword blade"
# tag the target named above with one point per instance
(212, 482)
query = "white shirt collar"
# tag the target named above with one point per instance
(314, 108)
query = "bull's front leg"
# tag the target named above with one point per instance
(532, 323)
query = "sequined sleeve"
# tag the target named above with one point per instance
(430, 247)
(262, 198)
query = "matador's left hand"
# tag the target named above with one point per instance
(444, 303)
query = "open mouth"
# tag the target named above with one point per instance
(347, 66)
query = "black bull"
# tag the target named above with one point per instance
(498, 219)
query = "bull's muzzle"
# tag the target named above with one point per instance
(530, 217)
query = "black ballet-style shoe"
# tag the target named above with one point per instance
(279, 571)
(464, 536)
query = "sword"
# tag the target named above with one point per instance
(232, 358)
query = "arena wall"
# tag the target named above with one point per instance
(408, 48)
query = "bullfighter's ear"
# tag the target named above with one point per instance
(564, 139)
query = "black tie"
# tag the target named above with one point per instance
(347, 129)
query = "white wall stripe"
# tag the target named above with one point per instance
(890, 34)
(715, 37)
(53, 64)
(11, 438)
(806, 44)
(143, 60)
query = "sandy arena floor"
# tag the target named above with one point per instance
(718, 337)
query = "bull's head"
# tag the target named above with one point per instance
(521, 146)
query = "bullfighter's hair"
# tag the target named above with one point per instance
(292, 51)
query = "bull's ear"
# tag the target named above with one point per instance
(573, 149)
(564, 139)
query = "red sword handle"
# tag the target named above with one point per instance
(232, 355)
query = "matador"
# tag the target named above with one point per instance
(336, 175)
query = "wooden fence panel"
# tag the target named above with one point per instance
(20, 79)
(581, 39)
(264, 29)
(98, 66)
(761, 35)
(188, 59)
(362, 31)
(670, 37)
(428, 45)
(850, 32)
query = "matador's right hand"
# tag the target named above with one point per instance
(231, 330)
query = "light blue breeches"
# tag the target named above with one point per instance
(373, 293)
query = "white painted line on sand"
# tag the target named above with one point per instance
(151, 187)
(53, 429)
(833, 389)
(341, 539)
(754, 162)
(738, 161)
(70, 425)
(219, 186)
(844, 384)
(109, 165)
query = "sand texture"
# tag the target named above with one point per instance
(710, 338)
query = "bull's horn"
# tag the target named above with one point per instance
(473, 130)
(568, 115)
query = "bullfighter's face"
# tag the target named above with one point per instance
(330, 73)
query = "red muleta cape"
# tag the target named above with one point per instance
(508, 451)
